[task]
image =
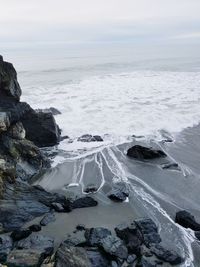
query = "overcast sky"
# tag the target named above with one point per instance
(99, 20)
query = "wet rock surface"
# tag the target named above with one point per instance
(144, 153)
(90, 138)
(119, 192)
(187, 220)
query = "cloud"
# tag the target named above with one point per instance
(97, 20)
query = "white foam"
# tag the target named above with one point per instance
(139, 102)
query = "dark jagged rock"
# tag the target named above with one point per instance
(149, 231)
(39, 242)
(41, 128)
(84, 202)
(9, 85)
(62, 138)
(114, 247)
(90, 138)
(166, 255)
(187, 220)
(35, 228)
(141, 152)
(23, 202)
(20, 234)
(95, 235)
(131, 236)
(53, 110)
(80, 227)
(25, 258)
(48, 218)
(6, 245)
(71, 257)
(119, 192)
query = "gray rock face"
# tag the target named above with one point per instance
(131, 235)
(115, 247)
(25, 258)
(149, 231)
(72, 257)
(4, 121)
(95, 235)
(166, 255)
(39, 242)
(9, 85)
(96, 258)
(17, 131)
(6, 244)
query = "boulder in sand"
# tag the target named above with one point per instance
(187, 220)
(141, 153)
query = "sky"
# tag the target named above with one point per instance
(71, 21)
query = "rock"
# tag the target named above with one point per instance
(41, 128)
(149, 231)
(80, 227)
(62, 138)
(90, 138)
(26, 157)
(71, 257)
(173, 166)
(35, 228)
(114, 247)
(20, 234)
(57, 207)
(75, 239)
(4, 121)
(131, 258)
(48, 218)
(147, 262)
(39, 242)
(6, 245)
(95, 235)
(187, 220)
(53, 110)
(166, 255)
(23, 202)
(90, 189)
(114, 264)
(84, 202)
(97, 258)
(131, 236)
(141, 152)
(119, 192)
(9, 85)
(25, 258)
(17, 131)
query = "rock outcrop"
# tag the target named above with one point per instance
(22, 131)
